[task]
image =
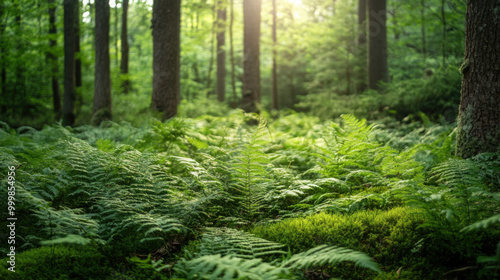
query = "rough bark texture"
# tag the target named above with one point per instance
(274, 94)
(70, 11)
(166, 56)
(125, 49)
(479, 117)
(377, 44)
(52, 58)
(78, 60)
(102, 83)
(220, 86)
(250, 101)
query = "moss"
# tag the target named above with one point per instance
(103, 114)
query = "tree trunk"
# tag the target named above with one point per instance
(70, 12)
(166, 56)
(275, 104)
(479, 117)
(20, 98)
(362, 23)
(233, 70)
(250, 101)
(377, 44)
(125, 50)
(221, 50)
(102, 84)
(78, 60)
(52, 58)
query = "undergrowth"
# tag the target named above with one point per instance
(293, 198)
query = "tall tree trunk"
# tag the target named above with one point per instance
(221, 50)
(52, 58)
(125, 50)
(166, 56)
(231, 43)
(70, 12)
(361, 50)
(250, 101)
(377, 44)
(102, 84)
(422, 18)
(479, 117)
(274, 94)
(20, 97)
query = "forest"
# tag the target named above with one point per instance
(250, 139)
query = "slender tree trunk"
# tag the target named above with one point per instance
(377, 44)
(211, 63)
(250, 101)
(479, 117)
(125, 50)
(52, 58)
(70, 12)
(166, 56)
(102, 85)
(275, 104)
(231, 43)
(20, 97)
(443, 16)
(221, 50)
(422, 18)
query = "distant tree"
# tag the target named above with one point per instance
(125, 49)
(361, 50)
(377, 44)
(274, 93)
(78, 60)
(52, 58)
(479, 116)
(166, 56)
(102, 82)
(250, 100)
(70, 12)
(221, 50)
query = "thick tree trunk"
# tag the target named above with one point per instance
(52, 58)
(221, 50)
(377, 44)
(250, 101)
(102, 84)
(125, 50)
(479, 117)
(211, 63)
(362, 23)
(274, 94)
(78, 60)
(70, 12)
(166, 56)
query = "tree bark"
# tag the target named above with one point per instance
(443, 18)
(70, 12)
(166, 56)
(52, 58)
(377, 44)
(274, 94)
(124, 50)
(361, 75)
(221, 50)
(211, 63)
(479, 116)
(250, 101)
(102, 84)
(3, 53)
(78, 60)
